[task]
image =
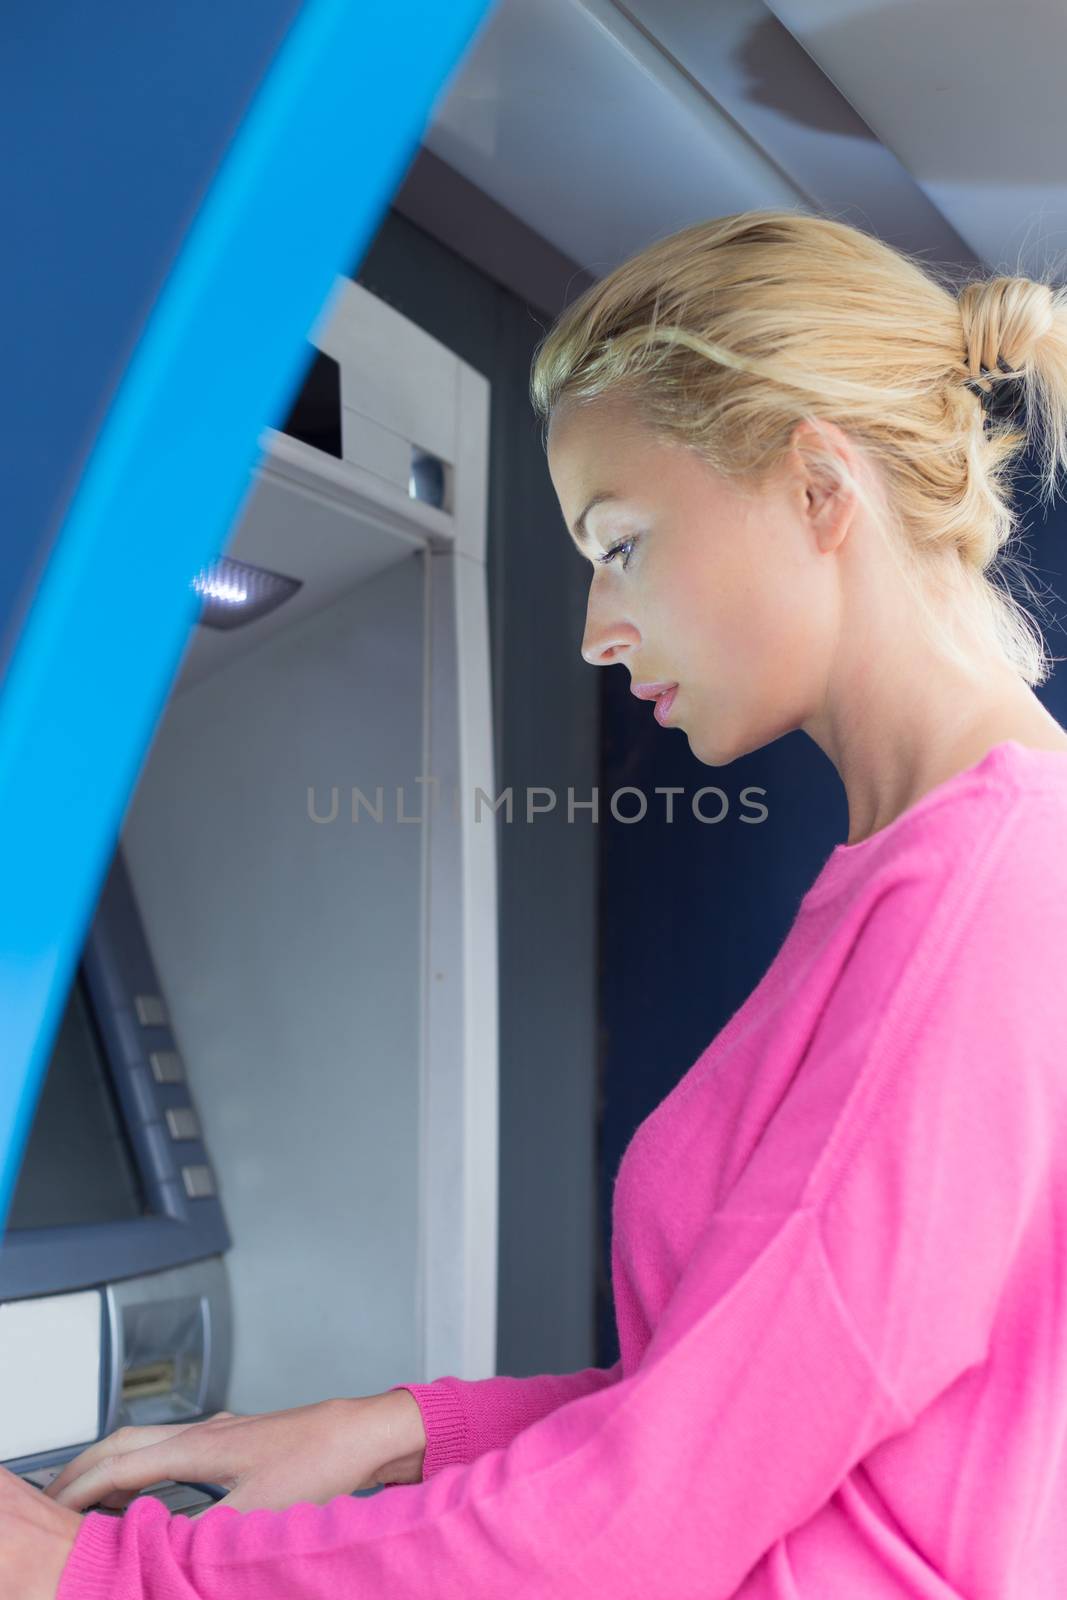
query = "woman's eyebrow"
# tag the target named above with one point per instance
(579, 527)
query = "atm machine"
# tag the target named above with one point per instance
(263, 1168)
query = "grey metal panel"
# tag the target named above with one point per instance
(563, 113)
(460, 1158)
(546, 719)
(746, 62)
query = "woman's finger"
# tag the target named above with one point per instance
(133, 1470)
(118, 1501)
(118, 1443)
(125, 1439)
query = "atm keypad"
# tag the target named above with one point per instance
(180, 1499)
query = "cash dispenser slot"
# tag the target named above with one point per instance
(147, 1380)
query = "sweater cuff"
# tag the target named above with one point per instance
(91, 1569)
(444, 1419)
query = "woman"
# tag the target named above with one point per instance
(838, 1242)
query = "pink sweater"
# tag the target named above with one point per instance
(839, 1252)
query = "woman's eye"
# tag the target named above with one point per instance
(609, 555)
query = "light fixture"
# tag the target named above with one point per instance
(234, 592)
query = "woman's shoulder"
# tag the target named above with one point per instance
(997, 842)
(997, 828)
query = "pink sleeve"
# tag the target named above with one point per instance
(464, 1418)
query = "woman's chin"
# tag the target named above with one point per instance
(709, 748)
(708, 754)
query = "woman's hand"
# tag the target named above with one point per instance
(309, 1453)
(36, 1537)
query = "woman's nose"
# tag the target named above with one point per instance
(607, 640)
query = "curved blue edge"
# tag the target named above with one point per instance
(327, 138)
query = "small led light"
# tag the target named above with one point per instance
(234, 592)
(215, 589)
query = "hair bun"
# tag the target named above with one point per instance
(1003, 321)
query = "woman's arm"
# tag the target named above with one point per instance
(463, 1418)
(753, 1401)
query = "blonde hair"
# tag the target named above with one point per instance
(728, 333)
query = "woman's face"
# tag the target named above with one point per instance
(734, 599)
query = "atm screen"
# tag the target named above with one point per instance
(77, 1166)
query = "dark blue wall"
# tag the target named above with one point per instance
(692, 915)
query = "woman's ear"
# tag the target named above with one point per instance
(823, 461)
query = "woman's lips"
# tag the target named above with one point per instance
(662, 693)
(662, 708)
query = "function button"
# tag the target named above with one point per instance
(199, 1182)
(166, 1066)
(151, 1012)
(182, 1122)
